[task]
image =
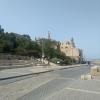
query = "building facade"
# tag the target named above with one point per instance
(70, 50)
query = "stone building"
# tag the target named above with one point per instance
(70, 50)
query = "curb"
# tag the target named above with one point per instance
(15, 66)
(25, 75)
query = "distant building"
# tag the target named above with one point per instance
(70, 50)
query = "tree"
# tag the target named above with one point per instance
(14, 43)
(1, 30)
(48, 46)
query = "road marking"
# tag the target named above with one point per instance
(81, 90)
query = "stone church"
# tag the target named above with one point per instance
(70, 50)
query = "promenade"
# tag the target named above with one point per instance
(39, 86)
(49, 83)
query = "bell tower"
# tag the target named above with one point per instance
(72, 42)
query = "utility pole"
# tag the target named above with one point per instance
(72, 55)
(49, 35)
(81, 56)
(42, 51)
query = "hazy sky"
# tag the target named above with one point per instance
(79, 19)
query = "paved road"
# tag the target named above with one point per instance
(18, 72)
(12, 80)
(62, 79)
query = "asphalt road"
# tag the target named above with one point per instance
(12, 80)
(62, 79)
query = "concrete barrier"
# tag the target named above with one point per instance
(98, 69)
(95, 70)
(86, 77)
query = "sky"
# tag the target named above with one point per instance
(65, 19)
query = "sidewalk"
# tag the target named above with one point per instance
(18, 72)
(80, 90)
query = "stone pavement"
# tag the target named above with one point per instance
(11, 73)
(17, 89)
(80, 90)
